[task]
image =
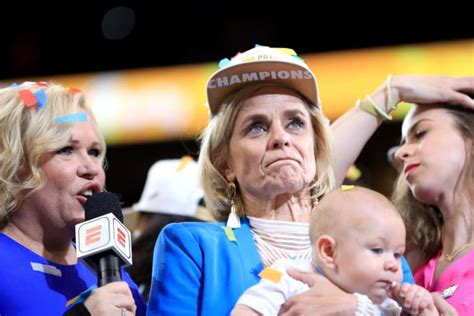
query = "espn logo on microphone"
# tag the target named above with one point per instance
(103, 233)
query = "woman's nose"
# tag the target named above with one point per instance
(280, 138)
(402, 153)
(88, 168)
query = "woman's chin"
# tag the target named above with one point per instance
(423, 194)
(287, 187)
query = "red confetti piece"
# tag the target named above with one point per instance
(28, 97)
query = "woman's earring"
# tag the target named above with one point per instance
(233, 221)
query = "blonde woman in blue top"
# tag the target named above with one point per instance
(52, 155)
(266, 158)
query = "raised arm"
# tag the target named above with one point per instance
(352, 130)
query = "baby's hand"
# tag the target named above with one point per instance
(415, 299)
(244, 310)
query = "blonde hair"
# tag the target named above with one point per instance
(424, 222)
(214, 152)
(27, 133)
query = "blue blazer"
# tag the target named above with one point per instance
(197, 270)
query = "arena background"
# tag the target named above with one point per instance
(45, 41)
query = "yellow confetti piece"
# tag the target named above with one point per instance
(285, 50)
(347, 187)
(183, 162)
(271, 274)
(230, 234)
(354, 173)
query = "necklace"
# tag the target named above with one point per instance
(450, 256)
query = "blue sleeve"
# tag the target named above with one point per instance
(176, 275)
(407, 275)
(139, 301)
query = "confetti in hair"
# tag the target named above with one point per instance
(41, 98)
(28, 97)
(74, 91)
(72, 118)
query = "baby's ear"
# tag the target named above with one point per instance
(326, 249)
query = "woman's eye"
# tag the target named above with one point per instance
(419, 134)
(296, 123)
(256, 128)
(65, 150)
(94, 152)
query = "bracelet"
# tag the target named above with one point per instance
(370, 106)
(389, 94)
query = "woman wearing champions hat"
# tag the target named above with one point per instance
(266, 158)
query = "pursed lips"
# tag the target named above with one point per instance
(281, 159)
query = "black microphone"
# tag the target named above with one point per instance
(103, 239)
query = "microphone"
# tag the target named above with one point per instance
(103, 239)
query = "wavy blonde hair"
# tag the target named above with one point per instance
(28, 133)
(424, 222)
(215, 150)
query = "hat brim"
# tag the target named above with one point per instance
(306, 85)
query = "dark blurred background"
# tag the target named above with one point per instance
(45, 39)
(40, 39)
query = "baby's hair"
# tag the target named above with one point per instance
(344, 203)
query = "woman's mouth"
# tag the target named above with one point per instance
(410, 168)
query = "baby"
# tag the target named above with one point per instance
(358, 240)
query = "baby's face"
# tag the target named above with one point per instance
(368, 255)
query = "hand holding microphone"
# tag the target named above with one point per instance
(112, 299)
(105, 242)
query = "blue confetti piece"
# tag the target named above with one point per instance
(224, 62)
(298, 57)
(76, 117)
(41, 97)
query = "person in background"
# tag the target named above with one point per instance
(52, 157)
(435, 194)
(266, 158)
(358, 240)
(172, 193)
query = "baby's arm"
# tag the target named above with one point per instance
(415, 299)
(274, 288)
(244, 310)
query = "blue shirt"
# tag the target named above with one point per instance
(26, 290)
